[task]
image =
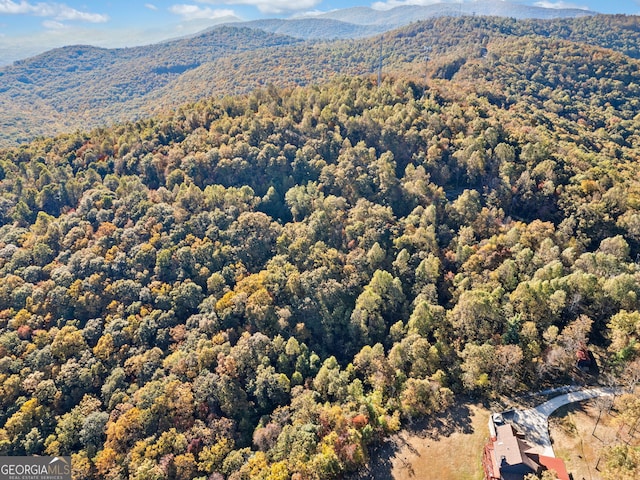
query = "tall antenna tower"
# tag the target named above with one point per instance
(427, 57)
(380, 64)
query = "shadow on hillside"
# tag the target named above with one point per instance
(379, 466)
(574, 407)
(456, 419)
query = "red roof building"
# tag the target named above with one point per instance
(508, 456)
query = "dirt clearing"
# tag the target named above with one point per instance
(578, 441)
(444, 448)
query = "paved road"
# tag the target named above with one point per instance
(534, 422)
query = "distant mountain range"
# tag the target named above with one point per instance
(410, 13)
(316, 28)
(85, 87)
(361, 22)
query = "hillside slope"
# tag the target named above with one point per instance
(267, 285)
(76, 86)
(79, 87)
(318, 28)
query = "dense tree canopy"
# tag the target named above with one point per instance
(263, 286)
(77, 87)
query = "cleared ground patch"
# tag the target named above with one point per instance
(579, 437)
(448, 447)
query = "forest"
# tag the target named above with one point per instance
(268, 285)
(80, 87)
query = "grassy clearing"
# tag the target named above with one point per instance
(445, 454)
(447, 448)
(578, 441)
(450, 447)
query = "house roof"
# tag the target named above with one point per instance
(510, 449)
(555, 464)
(506, 445)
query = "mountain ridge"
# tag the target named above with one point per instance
(270, 285)
(314, 28)
(403, 14)
(82, 86)
(356, 22)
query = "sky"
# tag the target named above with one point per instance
(28, 27)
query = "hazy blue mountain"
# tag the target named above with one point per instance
(84, 85)
(317, 28)
(410, 13)
(359, 22)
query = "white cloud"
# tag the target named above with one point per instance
(559, 4)
(311, 13)
(193, 12)
(53, 25)
(271, 6)
(151, 6)
(57, 11)
(7, 6)
(63, 12)
(389, 4)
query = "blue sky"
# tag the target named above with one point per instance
(28, 27)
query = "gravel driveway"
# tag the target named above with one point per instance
(534, 422)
